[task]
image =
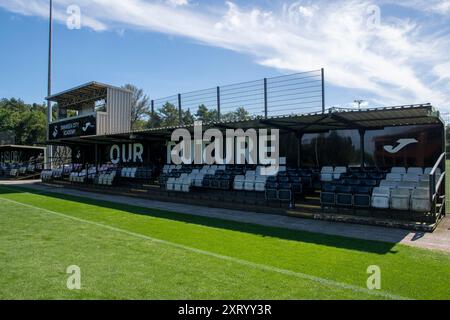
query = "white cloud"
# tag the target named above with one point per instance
(177, 3)
(396, 62)
(441, 7)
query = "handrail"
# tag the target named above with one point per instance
(438, 185)
(436, 166)
(434, 187)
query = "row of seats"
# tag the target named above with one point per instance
(141, 173)
(380, 198)
(331, 173)
(417, 200)
(403, 189)
(106, 178)
(80, 177)
(345, 196)
(281, 187)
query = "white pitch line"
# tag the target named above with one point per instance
(300, 275)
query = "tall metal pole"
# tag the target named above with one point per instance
(49, 88)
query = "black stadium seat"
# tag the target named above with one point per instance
(297, 185)
(344, 196)
(285, 192)
(362, 197)
(327, 196)
(225, 182)
(271, 191)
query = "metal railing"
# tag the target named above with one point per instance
(284, 95)
(435, 186)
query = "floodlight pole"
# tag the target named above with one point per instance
(359, 102)
(49, 88)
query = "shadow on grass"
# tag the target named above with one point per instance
(376, 247)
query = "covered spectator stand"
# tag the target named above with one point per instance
(382, 166)
(21, 162)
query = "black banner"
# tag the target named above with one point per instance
(197, 310)
(79, 127)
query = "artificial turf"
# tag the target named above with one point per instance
(199, 258)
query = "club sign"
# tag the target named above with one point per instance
(79, 127)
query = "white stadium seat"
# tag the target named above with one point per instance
(397, 177)
(420, 201)
(381, 198)
(411, 177)
(239, 183)
(170, 184)
(399, 170)
(400, 199)
(338, 171)
(326, 174)
(415, 170)
(423, 185)
(389, 184)
(260, 184)
(407, 185)
(249, 183)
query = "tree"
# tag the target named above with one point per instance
(140, 105)
(27, 122)
(154, 121)
(205, 115)
(169, 115)
(241, 114)
(187, 117)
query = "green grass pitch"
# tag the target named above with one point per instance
(127, 252)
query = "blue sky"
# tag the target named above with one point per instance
(386, 52)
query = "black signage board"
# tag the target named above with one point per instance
(79, 127)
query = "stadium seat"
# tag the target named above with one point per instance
(186, 184)
(389, 184)
(397, 177)
(271, 191)
(361, 198)
(170, 186)
(285, 192)
(370, 183)
(239, 183)
(260, 183)
(424, 185)
(420, 201)
(297, 184)
(207, 180)
(427, 172)
(225, 182)
(407, 185)
(398, 170)
(411, 177)
(338, 171)
(198, 180)
(415, 170)
(381, 198)
(326, 174)
(400, 199)
(376, 176)
(249, 183)
(327, 196)
(344, 196)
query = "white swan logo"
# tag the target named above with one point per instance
(87, 126)
(401, 144)
(55, 132)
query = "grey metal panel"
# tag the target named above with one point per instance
(102, 123)
(118, 107)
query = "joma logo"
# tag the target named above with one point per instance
(401, 144)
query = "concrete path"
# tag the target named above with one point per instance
(439, 240)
